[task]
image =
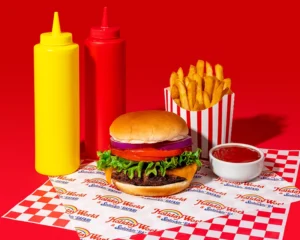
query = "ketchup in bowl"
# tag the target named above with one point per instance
(236, 162)
(236, 154)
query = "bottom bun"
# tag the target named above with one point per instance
(152, 191)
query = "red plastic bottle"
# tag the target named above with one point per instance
(104, 84)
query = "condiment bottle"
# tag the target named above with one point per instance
(56, 99)
(104, 84)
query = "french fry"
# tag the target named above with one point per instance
(227, 83)
(209, 86)
(200, 67)
(173, 78)
(180, 74)
(219, 72)
(174, 92)
(186, 81)
(183, 95)
(216, 85)
(199, 95)
(177, 101)
(191, 93)
(198, 106)
(206, 99)
(217, 94)
(199, 90)
(198, 79)
(225, 91)
(209, 70)
(192, 71)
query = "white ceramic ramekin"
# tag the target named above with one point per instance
(237, 172)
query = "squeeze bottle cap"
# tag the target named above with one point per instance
(56, 37)
(104, 31)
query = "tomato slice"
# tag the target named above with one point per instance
(146, 154)
(127, 154)
(152, 152)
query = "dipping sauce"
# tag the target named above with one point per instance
(236, 154)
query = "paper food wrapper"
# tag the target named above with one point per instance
(100, 211)
(208, 127)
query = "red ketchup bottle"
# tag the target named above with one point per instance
(105, 75)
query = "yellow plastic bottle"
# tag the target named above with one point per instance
(56, 93)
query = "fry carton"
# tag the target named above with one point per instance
(208, 127)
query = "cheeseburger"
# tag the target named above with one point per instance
(150, 154)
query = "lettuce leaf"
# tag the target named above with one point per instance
(132, 168)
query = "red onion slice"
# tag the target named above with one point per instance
(167, 145)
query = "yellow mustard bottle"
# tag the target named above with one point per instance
(56, 103)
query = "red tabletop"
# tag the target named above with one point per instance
(256, 42)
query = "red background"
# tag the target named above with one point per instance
(257, 42)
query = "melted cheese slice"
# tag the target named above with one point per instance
(186, 172)
(108, 172)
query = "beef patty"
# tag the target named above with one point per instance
(144, 180)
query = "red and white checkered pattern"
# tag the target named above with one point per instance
(43, 207)
(256, 225)
(283, 163)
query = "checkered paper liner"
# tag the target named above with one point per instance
(43, 207)
(257, 225)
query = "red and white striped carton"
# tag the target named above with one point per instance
(208, 127)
